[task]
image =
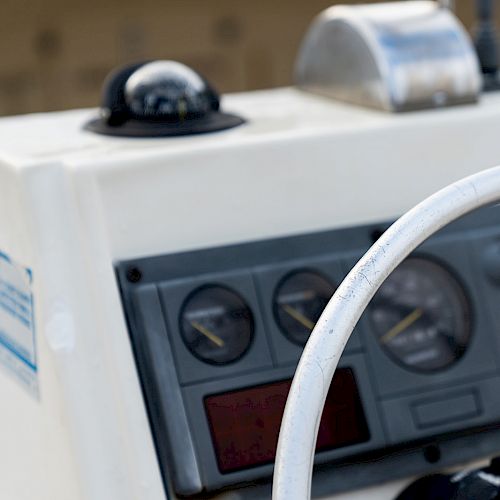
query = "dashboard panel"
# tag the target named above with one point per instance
(217, 334)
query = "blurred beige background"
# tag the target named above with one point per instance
(54, 54)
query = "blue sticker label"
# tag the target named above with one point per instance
(17, 325)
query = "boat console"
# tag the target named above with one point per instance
(164, 260)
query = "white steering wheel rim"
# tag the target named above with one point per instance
(304, 406)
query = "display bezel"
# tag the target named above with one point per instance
(265, 404)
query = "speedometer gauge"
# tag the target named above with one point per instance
(216, 324)
(421, 316)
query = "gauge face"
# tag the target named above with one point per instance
(298, 303)
(216, 324)
(421, 316)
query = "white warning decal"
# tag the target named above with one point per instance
(17, 326)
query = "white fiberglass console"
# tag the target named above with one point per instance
(75, 205)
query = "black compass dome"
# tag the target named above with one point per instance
(160, 99)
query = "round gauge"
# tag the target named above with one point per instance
(421, 316)
(216, 324)
(299, 301)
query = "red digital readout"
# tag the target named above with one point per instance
(245, 424)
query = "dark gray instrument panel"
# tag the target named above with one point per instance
(217, 334)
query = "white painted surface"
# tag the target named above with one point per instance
(35, 453)
(71, 203)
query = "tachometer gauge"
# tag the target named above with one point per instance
(216, 324)
(299, 301)
(421, 316)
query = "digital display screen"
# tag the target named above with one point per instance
(245, 424)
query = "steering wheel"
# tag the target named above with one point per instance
(304, 406)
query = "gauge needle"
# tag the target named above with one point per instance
(298, 316)
(204, 331)
(402, 325)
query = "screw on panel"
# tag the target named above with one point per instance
(432, 453)
(134, 274)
